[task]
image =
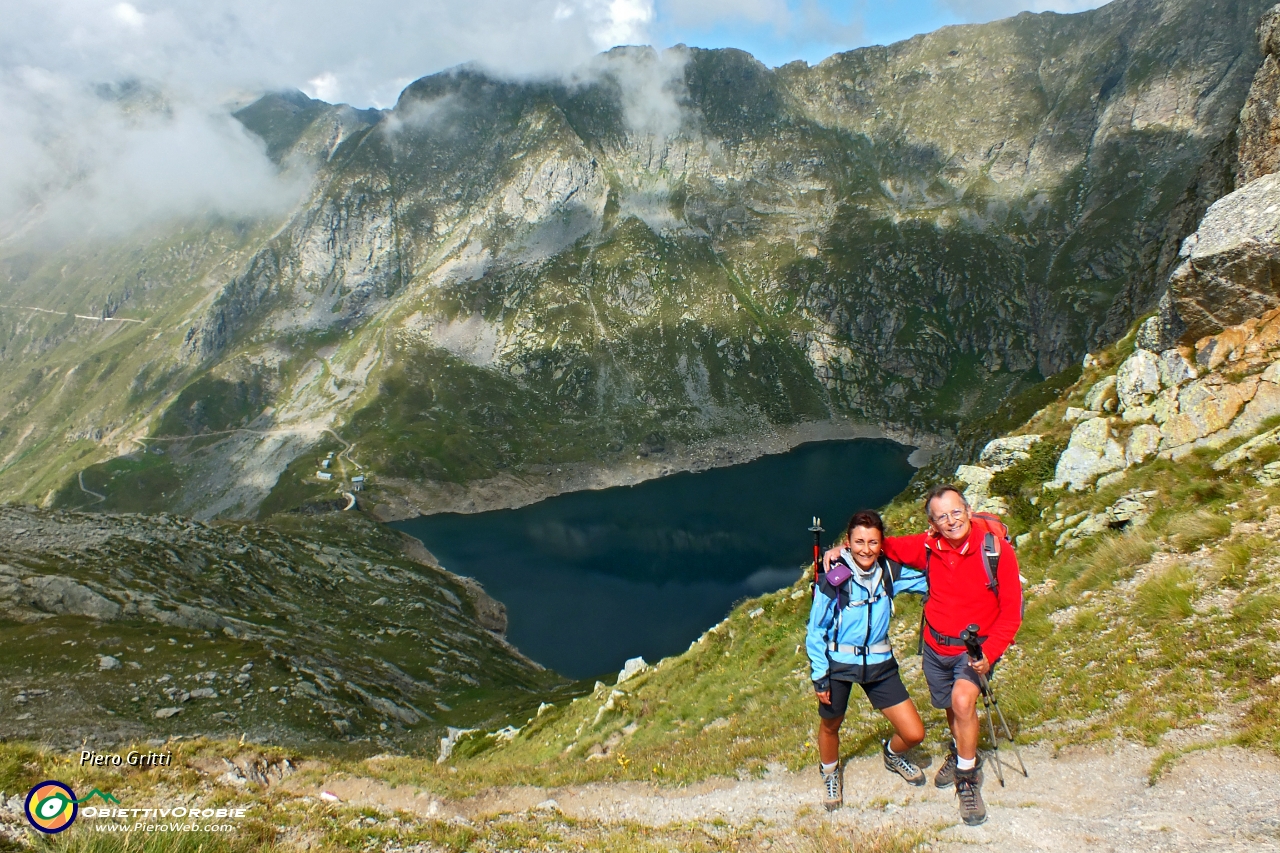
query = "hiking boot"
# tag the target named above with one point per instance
(947, 772)
(969, 790)
(900, 765)
(832, 789)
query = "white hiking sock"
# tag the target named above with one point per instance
(966, 763)
(830, 768)
(888, 746)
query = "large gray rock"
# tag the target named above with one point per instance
(58, 594)
(1006, 452)
(1091, 452)
(1231, 266)
(976, 482)
(1138, 379)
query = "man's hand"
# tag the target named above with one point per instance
(982, 666)
(832, 553)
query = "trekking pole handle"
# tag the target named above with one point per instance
(970, 638)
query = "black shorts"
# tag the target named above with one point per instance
(942, 673)
(885, 692)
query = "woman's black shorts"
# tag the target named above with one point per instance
(885, 692)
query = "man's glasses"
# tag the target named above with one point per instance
(954, 515)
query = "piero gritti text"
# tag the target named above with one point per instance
(133, 758)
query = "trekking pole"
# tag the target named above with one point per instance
(817, 531)
(974, 648)
(989, 701)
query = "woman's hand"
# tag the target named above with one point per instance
(830, 555)
(824, 696)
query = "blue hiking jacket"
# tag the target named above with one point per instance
(854, 619)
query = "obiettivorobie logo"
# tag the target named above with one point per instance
(52, 806)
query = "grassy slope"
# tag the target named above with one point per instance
(1169, 627)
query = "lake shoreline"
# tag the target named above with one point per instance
(408, 499)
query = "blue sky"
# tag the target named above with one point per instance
(779, 31)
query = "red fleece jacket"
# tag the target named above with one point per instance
(958, 593)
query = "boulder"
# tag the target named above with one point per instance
(108, 662)
(631, 668)
(976, 481)
(1138, 379)
(58, 594)
(1143, 443)
(1174, 369)
(1091, 452)
(1230, 266)
(1246, 450)
(1102, 396)
(1006, 452)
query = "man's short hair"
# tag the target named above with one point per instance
(940, 490)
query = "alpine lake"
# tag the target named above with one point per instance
(593, 578)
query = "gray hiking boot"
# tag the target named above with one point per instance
(832, 789)
(973, 811)
(947, 772)
(900, 765)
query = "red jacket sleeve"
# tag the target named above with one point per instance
(1003, 630)
(908, 550)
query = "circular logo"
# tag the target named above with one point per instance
(51, 807)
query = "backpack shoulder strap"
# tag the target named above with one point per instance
(991, 560)
(889, 574)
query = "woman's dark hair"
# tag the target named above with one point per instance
(864, 518)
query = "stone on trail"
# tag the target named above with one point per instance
(166, 713)
(108, 662)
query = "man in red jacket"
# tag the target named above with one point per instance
(951, 554)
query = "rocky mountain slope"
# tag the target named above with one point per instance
(495, 278)
(120, 628)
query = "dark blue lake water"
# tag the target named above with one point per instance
(593, 578)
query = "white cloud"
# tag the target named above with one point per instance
(64, 146)
(325, 87)
(128, 14)
(989, 10)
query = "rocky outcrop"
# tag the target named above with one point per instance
(1231, 266)
(1169, 406)
(1259, 133)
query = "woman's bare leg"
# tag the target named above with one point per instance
(829, 739)
(908, 727)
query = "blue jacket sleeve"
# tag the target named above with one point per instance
(821, 615)
(911, 581)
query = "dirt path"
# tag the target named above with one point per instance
(1093, 799)
(88, 491)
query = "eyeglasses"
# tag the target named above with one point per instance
(954, 515)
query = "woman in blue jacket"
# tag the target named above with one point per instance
(848, 643)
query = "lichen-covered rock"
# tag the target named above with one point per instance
(1005, 452)
(1204, 407)
(1138, 379)
(1091, 452)
(1143, 443)
(1165, 405)
(1102, 396)
(976, 481)
(1175, 370)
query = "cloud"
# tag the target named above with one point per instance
(980, 11)
(118, 111)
